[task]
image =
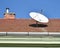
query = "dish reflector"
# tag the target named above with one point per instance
(39, 17)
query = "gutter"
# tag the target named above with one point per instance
(29, 33)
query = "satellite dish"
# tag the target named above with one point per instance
(39, 17)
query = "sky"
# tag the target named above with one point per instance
(22, 8)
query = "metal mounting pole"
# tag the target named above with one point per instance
(36, 23)
(41, 11)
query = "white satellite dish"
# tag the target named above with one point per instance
(39, 17)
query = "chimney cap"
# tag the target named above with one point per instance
(10, 13)
(7, 8)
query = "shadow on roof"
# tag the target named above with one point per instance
(38, 25)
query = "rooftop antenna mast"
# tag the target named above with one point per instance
(41, 11)
(7, 10)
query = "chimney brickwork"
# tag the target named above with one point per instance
(9, 15)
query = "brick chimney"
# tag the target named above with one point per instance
(9, 15)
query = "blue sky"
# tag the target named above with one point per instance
(22, 8)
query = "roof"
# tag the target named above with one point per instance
(28, 25)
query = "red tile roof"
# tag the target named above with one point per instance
(28, 25)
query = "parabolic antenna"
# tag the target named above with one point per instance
(39, 17)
